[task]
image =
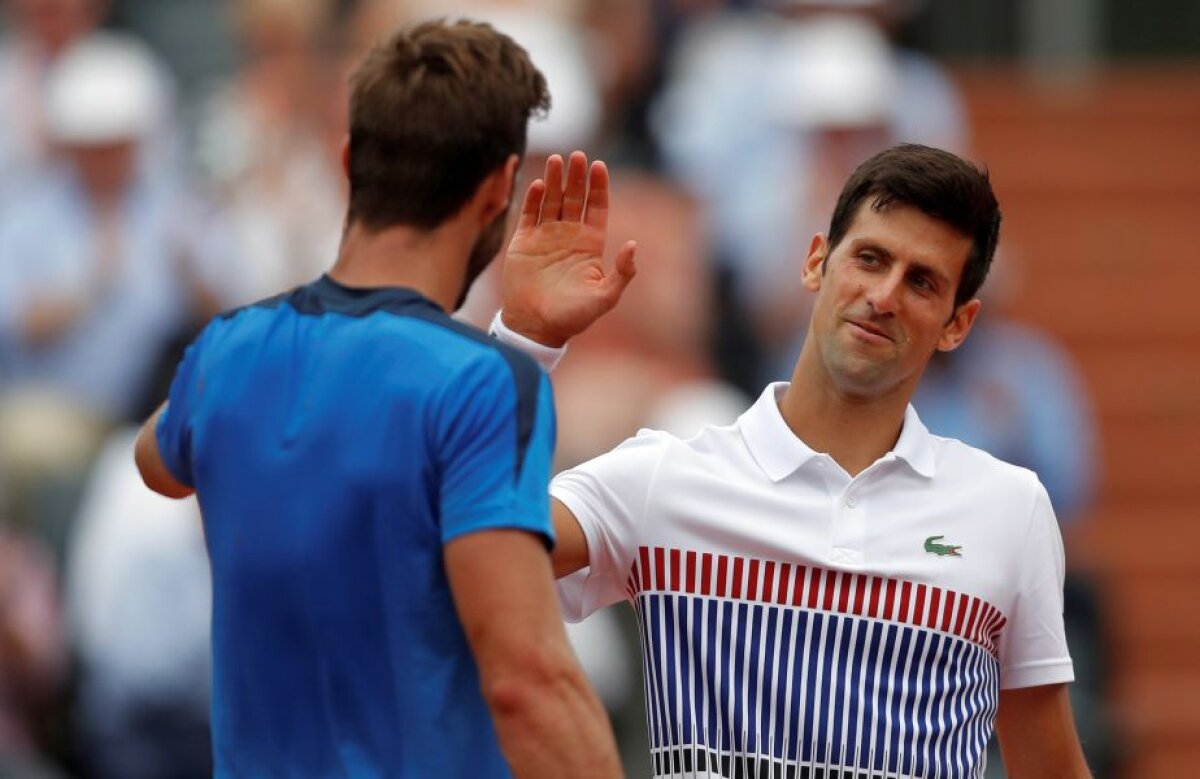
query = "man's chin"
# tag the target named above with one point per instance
(859, 376)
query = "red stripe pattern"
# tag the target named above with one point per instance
(825, 589)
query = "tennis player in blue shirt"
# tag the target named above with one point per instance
(373, 474)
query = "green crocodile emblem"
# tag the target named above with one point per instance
(941, 550)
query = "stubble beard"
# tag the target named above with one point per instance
(853, 370)
(487, 247)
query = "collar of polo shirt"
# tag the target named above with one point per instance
(780, 453)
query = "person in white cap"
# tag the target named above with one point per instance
(102, 258)
(39, 32)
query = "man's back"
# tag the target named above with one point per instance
(337, 439)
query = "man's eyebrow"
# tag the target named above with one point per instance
(928, 270)
(869, 244)
(859, 244)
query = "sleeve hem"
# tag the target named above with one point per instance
(578, 508)
(546, 356)
(547, 535)
(164, 453)
(1035, 675)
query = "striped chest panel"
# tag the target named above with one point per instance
(756, 668)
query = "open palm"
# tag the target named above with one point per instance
(555, 282)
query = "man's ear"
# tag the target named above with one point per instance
(814, 268)
(497, 189)
(955, 331)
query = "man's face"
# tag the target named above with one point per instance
(105, 169)
(885, 299)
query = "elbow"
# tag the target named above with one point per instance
(154, 474)
(534, 677)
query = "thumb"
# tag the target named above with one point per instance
(625, 271)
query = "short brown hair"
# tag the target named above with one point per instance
(940, 185)
(434, 110)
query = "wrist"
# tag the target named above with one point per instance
(527, 327)
(544, 355)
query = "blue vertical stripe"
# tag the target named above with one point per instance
(864, 695)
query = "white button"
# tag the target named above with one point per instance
(851, 501)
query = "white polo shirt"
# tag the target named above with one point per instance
(795, 618)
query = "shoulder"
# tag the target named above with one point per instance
(643, 458)
(966, 466)
(233, 325)
(710, 442)
(472, 359)
(481, 349)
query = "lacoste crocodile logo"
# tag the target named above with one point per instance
(941, 550)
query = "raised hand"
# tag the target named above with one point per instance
(555, 283)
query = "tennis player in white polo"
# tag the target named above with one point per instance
(824, 588)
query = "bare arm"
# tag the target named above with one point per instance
(150, 463)
(1037, 734)
(549, 721)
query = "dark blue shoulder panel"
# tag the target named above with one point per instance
(526, 373)
(326, 296)
(271, 302)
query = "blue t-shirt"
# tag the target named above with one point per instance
(336, 439)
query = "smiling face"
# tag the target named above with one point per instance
(885, 299)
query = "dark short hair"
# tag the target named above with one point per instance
(940, 185)
(434, 110)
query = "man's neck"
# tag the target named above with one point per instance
(854, 430)
(431, 262)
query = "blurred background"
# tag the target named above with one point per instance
(161, 160)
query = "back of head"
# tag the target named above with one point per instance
(937, 183)
(434, 110)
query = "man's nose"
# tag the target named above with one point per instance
(884, 294)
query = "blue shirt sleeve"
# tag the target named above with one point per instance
(494, 434)
(174, 429)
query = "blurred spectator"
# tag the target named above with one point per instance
(269, 142)
(41, 31)
(32, 652)
(102, 261)
(765, 115)
(139, 600)
(625, 54)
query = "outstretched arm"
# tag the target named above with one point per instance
(555, 282)
(549, 721)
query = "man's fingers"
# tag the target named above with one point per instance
(597, 199)
(552, 204)
(576, 193)
(532, 205)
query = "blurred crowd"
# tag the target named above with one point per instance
(132, 210)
